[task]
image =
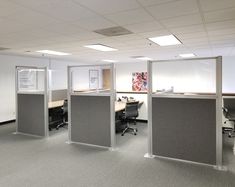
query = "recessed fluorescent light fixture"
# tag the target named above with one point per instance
(100, 47)
(109, 60)
(165, 40)
(53, 52)
(188, 55)
(142, 58)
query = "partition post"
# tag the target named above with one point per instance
(219, 146)
(69, 104)
(46, 100)
(149, 143)
(112, 106)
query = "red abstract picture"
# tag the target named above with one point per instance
(139, 81)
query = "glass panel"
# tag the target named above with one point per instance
(89, 79)
(31, 80)
(184, 77)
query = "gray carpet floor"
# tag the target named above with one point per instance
(32, 162)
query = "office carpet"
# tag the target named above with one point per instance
(29, 162)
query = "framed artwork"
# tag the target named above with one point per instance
(93, 79)
(139, 81)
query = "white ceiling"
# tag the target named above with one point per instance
(205, 27)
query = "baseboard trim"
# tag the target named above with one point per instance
(6, 122)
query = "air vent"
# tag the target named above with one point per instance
(3, 48)
(113, 31)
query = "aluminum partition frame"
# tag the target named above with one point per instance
(112, 95)
(46, 123)
(218, 97)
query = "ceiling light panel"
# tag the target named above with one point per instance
(100, 47)
(112, 61)
(142, 58)
(187, 55)
(53, 52)
(165, 40)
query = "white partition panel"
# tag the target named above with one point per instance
(184, 102)
(32, 101)
(91, 105)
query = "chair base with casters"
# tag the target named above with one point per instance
(63, 124)
(130, 129)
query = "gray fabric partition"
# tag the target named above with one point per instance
(57, 95)
(184, 128)
(31, 118)
(90, 120)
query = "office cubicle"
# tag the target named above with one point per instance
(31, 101)
(185, 116)
(91, 99)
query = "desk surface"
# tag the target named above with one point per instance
(120, 105)
(54, 104)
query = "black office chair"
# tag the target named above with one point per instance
(64, 114)
(230, 116)
(130, 114)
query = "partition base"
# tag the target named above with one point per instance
(147, 155)
(221, 168)
(89, 145)
(25, 134)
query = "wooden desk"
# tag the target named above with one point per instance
(55, 104)
(120, 105)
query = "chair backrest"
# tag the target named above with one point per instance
(131, 109)
(65, 106)
(229, 103)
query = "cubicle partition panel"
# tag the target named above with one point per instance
(185, 110)
(31, 101)
(91, 105)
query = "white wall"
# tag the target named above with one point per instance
(124, 83)
(7, 79)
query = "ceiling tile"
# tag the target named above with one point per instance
(222, 32)
(64, 10)
(144, 27)
(94, 23)
(221, 15)
(192, 35)
(11, 26)
(210, 5)
(192, 19)
(8, 8)
(63, 28)
(220, 25)
(155, 33)
(130, 17)
(32, 18)
(188, 29)
(177, 8)
(153, 2)
(109, 6)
